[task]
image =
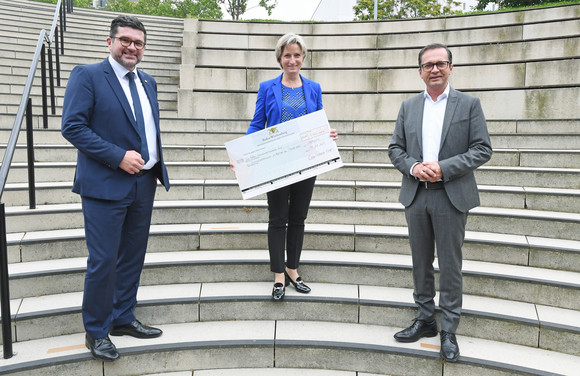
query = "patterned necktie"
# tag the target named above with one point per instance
(138, 116)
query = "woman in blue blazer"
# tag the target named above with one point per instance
(284, 98)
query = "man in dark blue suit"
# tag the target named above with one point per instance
(111, 115)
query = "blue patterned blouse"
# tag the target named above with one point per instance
(293, 103)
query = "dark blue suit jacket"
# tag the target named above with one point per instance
(99, 122)
(269, 102)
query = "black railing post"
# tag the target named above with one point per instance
(51, 81)
(5, 293)
(30, 156)
(43, 84)
(62, 15)
(61, 41)
(57, 58)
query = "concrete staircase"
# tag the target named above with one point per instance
(206, 280)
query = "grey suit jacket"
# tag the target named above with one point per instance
(465, 145)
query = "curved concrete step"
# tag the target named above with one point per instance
(265, 344)
(506, 157)
(238, 127)
(464, 53)
(160, 65)
(74, 42)
(551, 199)
(385, 105)
(517, 30)
(387, 79)
(154, 64)
(189, 132)
(562, 225)
(531, 251)
(36, 95)
(28, 10)
(526, 324)
(264, 372)
(560, 178)
(519, 283)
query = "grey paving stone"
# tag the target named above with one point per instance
(560, 329)
(354, 346)
(272, 372)
(251, 301)
(500, 320)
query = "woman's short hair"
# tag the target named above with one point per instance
(287, 39)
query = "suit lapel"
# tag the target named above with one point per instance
(417, 118)
(151, 97)
(113, 81)
(277, 89)
(449, 112)
(307, 95)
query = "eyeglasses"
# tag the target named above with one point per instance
(428, 67)
(126, 42)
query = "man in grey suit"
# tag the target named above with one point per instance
(440, 138)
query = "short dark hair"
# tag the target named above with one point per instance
(127, 21)
(435, 46)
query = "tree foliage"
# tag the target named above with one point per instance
(236, 8)
(399, 9)
(208, 9)
(205, 9)
(482, 4)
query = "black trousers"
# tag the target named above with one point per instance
(288, 208)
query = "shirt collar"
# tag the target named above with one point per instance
(443, 95)
(119, 70)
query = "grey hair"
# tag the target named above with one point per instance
(287, 39)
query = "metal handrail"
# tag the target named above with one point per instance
(49, 40)
(4, 169)
(25, 107)
(54, 21)
(20, 115)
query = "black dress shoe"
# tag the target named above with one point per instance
(449, 347)
(137, 330)
(102, 348)
(278, 291)
(299, 284)
(418, 330)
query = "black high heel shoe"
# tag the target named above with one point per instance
(299, 284)
(278, 291)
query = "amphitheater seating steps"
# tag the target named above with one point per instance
(544, 223)
(548, 253)
(522, 323)
(206, 280)
(536, 198)
(285, 343)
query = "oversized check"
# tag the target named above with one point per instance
(283, 154)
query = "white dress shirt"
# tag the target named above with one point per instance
(432, 127)
(433, 114)
(150, 130)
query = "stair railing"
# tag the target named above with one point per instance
(25, 108)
